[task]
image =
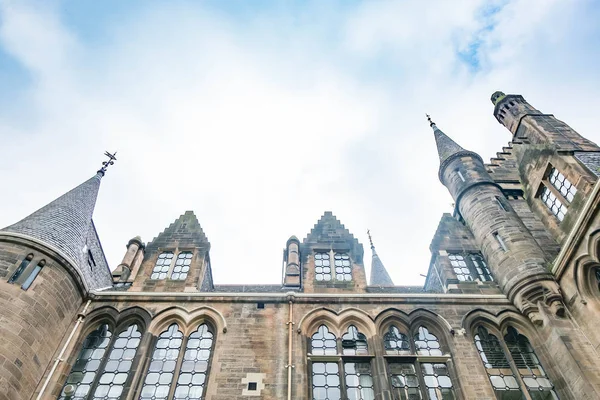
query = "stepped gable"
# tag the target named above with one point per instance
(65, 226)
(504, 168)
(329, 232)
(185, 231)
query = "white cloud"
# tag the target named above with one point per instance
(261, 126)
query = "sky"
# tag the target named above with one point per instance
(261, 115)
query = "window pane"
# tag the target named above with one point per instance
(553, 203)
(194, 369)
(323, 342)
(322, 267)
(562, 184)
(326, 381)
(404, 381)
(163, 263)
(162, 365)
(343, 270)
(359, 383)
(182, 266)
(396, 342)
(86, 366)
(481, 267)
(537, 382)
(427, 343)
(354, 342)
(460, 268)
(119, 363)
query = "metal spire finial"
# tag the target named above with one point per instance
(111, 160)
(431, 123)
(370, 239)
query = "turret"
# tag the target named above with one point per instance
(515, 258)
(291, 260)
(127, 270)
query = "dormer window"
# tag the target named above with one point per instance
(163, 263)
(341, 261)
(557, 193)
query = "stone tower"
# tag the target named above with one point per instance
(514, 256)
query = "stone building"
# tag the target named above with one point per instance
(510, 308)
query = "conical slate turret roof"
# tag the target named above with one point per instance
(65, 226)
(379, 275)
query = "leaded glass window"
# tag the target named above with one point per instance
(437, 381)
(194, 368)
(562, 184)
(354, 342)
(529, 366)
(359, 382)
(404, 381)
(82, 376)
(427, 343)
(481, 267)
(163, 263)
(322, 267)
(497, 366)
(323, 342)
(343, 271)
(182, 266)
(460, 267)
(396, 342)
(326, 381)
(118, 364)
(554, 204)
(162, 365)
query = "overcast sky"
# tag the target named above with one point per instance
(261, 115)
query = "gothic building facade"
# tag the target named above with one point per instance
(510, 308)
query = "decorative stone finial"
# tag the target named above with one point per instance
(370, 239)
(431, 123)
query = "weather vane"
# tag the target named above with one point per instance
(111, 160)
(431, 123)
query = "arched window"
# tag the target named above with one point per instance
(528, 366)
(497, 366)
(19, 271)
(97, 376)
(167, 362)
(423, 377)
(344, 374)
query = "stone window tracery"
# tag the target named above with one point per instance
(176, 375)
(329, 365)
(163, 263)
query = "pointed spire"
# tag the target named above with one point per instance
(379, 275)
(446, 146)
(64, 224)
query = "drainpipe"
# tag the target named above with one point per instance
(58, 359)
(289, 365)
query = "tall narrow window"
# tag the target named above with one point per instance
(182, 266)
(162, 365)
(460, 175)
(83, 373)
(163, 263)
(33, 274)
(502, 203)
(497, 366)
(481, 267)
(194, 368)
(529, 367)
(562, 184)
(426, 377)
(338, 376)
(500, 241)
(20, 269)
(322, 267)
(343, 271)
(116, 370)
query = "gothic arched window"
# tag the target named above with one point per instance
(422, 377)
(529, 366)
(191, 368)
(100, 374)
(496, 365)
(344, 374)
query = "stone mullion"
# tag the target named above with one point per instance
(136, 376)
(177, 370)
(515, 369)
(102, 365)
